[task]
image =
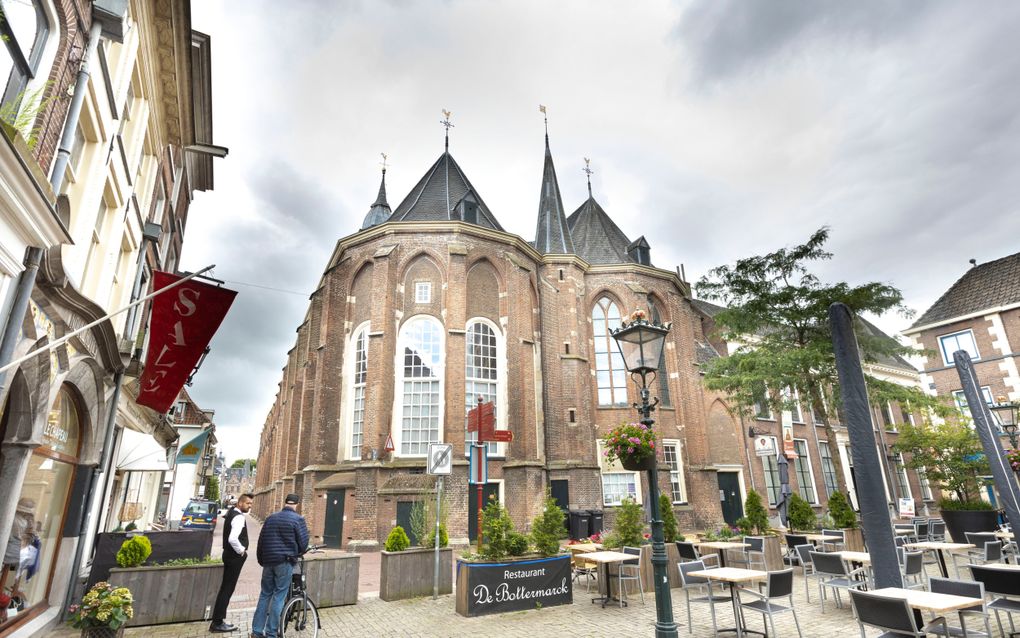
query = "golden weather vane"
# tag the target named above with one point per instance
(448, 125)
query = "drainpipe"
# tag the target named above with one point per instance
(74, 111)
(102, 471)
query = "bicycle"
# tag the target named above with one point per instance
(300, 617)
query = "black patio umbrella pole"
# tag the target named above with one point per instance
(784, 488)
(1009, 491)
(867, 466)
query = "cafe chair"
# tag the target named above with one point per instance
(630, 570)
(912, 568)
(584, 568)
(937, 531)
(832, 572)
(892, 615)
(778, 585)
(702, 587)
(970, 589)
(837, 544)
(979, 539)
(905, 527)
(989, 552)
(1001, 583)
(921, 531)
(807, 566)
(792, 540)
(688, 552)
(753, 553)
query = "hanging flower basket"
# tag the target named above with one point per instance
(633, 444)
(637, 464)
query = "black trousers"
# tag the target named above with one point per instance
(231, 570)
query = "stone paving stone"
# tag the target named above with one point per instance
(424, 617)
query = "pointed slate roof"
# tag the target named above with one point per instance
(380, 210)
(985, 286)
(551, 233)
(596, 238)
(435, 196)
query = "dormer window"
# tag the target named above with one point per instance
(467, 209)
(640, 252)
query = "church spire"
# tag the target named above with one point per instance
(380, 210)
(551, 234)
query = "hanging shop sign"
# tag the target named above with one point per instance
(184, 320)
(765, 446)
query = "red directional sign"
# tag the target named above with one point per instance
(503, 436)
(483, 420)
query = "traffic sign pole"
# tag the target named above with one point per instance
(435, 574)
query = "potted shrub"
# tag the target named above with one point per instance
(757, 524)
(952, 456)
(801, 515)
(103, 611)
(671, 533)
(497, 581)
(841, 516)
(176, 590)
(407, 572)
(633, 444)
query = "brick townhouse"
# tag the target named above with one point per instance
(813, 474)
(979, 313)
(432, 304)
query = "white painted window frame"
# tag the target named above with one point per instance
(396, 424)
(946, 355)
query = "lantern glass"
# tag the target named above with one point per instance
(641, 345)
(1006, 413)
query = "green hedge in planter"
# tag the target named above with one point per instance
(802, 517)
(134, 551)
(397, 541)
(843, 515)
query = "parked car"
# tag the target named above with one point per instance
(200, 514)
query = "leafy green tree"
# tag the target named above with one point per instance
(669, 526)
(547, 529)
(240, 463)
(778, 309)
(756, 513)
(629, 527)
(840, 512)
(950, 454)
(802, 517)
(212, 488)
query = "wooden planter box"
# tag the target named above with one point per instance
(170, 594)
(332, 578)
(165, 546)
(513, 585)
(648, 570)
(854, 539)
(409, 574)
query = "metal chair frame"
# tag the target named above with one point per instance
(893, 615)
(833, 573)
(700, 584)
(778, 585)
(970, 588)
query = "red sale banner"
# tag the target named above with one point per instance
(184, 320)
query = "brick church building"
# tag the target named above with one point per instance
(432, 304)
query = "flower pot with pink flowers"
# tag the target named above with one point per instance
(633, 444)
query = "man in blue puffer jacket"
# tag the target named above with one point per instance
(283, 538)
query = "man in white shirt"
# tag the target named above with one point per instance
(235, 551)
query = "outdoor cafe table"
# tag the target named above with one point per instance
(864, 558)
(734, 576)
(603, 559)
(939, 547)
(722, 546)
(928, 601)
(585, 547)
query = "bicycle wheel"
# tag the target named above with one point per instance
(300, 619)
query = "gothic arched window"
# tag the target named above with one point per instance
(358, 378)
(610, 373)
(482, 358)
(420, 381)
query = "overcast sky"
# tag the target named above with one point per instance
(717, 129)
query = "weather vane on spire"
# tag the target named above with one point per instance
(384, 164)
(587, 171)
(448, 125)
(545, 116)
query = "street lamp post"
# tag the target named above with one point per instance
(1007, 413)
(641, 344)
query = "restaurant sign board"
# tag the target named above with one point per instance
(495, 588)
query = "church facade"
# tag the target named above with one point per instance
(433, 304)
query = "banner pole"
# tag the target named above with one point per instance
(61, 341)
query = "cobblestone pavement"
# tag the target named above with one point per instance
(425, 617)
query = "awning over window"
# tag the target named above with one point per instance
(140, 453)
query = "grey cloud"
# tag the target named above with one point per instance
(727, 37)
